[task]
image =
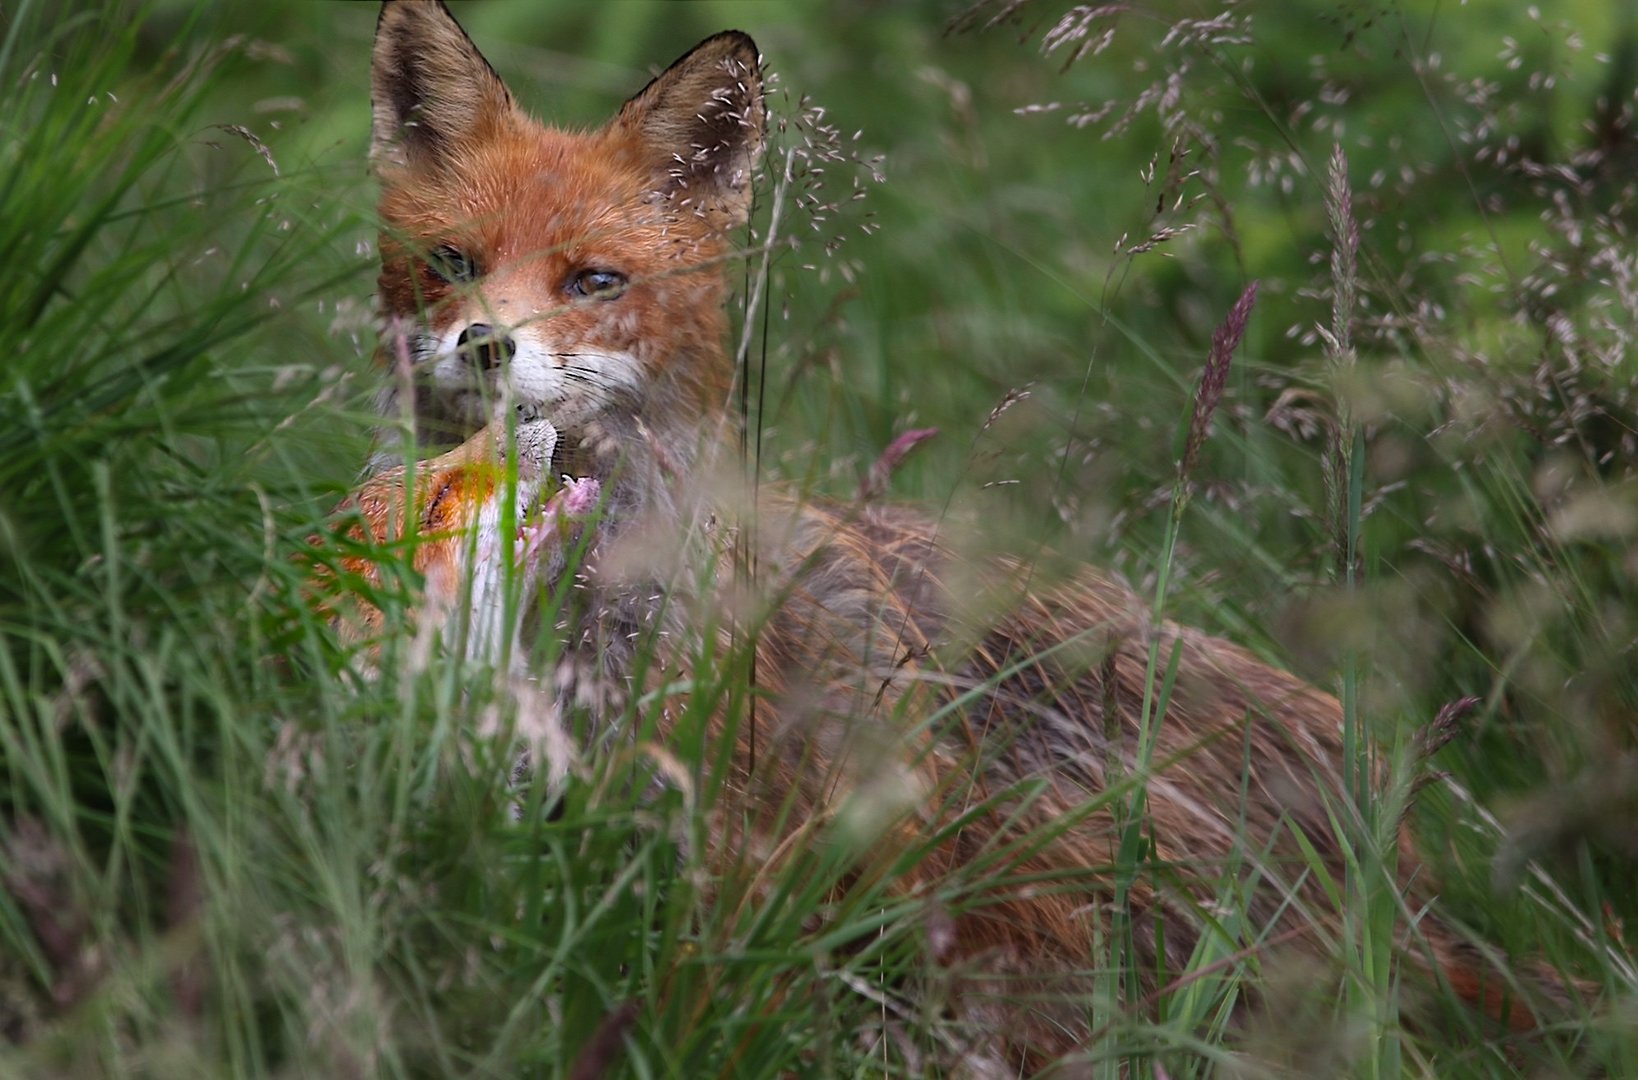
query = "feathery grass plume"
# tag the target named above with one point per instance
(1339, 215)
(876, 481)
(1343, 462)
(1074, 31)
(1343, 482)
(1214, 379)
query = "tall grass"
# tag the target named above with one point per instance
(224, 851)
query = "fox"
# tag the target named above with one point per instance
(583, 278)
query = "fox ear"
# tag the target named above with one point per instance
(431, 89)
(702, 120)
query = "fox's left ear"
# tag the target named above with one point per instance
(702, 120)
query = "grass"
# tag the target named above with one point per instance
(225, 853)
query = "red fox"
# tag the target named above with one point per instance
(583, 276)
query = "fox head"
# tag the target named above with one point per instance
(578, 273)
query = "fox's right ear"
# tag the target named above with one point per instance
(431, 89)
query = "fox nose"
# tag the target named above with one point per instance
(487, 347)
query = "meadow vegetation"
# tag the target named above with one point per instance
(224, 851)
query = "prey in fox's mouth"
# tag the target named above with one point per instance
(479, 519)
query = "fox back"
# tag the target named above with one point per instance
(584, 275)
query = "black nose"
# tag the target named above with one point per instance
(488, 347)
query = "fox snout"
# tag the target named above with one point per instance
(485, 347)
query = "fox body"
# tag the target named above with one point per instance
(582, 276)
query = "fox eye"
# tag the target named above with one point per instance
(452, 264)
(601, 284)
